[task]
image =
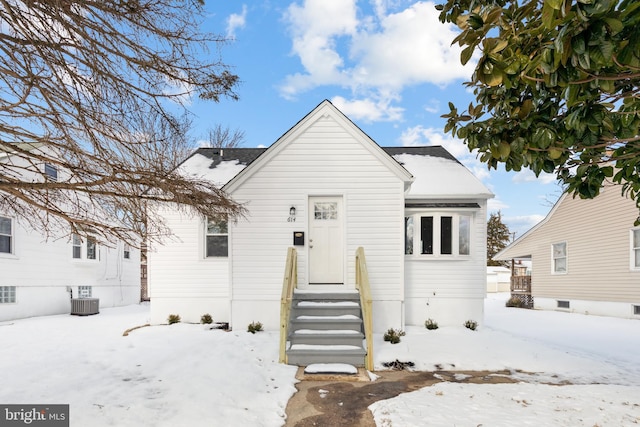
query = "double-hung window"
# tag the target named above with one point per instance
(635, 249)
(559, 257)
(127, 251)
(90, 251)
(438, 234)
(6, 235)
(217, 238)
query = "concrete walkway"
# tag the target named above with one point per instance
(332, 402)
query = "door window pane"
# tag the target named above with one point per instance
(325, 210)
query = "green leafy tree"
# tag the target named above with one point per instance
(556, 88)
(498, 237)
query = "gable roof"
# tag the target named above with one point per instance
(432, 169)
(325, 108)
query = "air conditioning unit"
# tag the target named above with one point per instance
(85, 306)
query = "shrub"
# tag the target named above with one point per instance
(514, 301)
(254, 327)
(471, 324)
(173, 318)
(206, 319)
(430, 324)
(393, 335)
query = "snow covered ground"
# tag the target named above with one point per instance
(189, 375)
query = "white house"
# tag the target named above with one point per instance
(40, 275)
(326, 188)
(584, 256)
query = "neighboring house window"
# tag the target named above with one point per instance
(127, 251)
(559, 254)
(51, 172)
(91, 249)
(77, 246)
(439, 235)
(217, 239)
(7, 294)
(84, 291)
(6, 235)
(635, 248)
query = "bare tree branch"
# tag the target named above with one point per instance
(92, 88)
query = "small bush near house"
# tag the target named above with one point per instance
(514, 302)
(254, 327)
(206, 319)
(430, 324)
(471, 324)
(173, 318)
(393, 335)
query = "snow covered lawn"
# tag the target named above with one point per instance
(188, 375)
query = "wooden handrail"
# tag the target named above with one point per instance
(362, 284)
(288, 285)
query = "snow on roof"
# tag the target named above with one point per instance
(441, 177)
(199, 166)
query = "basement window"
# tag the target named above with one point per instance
(563, 304)
(7, 294)
(636, 310)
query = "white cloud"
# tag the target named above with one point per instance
(368, 110)
(236, 21)
(521, 224)
(526, 175)
(495, 204)
(375, 56)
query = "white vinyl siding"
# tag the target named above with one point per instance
(325, 160)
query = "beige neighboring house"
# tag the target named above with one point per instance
(585, 256)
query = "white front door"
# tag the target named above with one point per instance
(326, 251)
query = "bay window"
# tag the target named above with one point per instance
(439, 234)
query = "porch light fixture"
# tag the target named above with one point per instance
(292, 211)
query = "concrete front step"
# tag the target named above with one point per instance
(327, 337)
(304, 355)
(326, 296)
(347, 321)
(326, 308)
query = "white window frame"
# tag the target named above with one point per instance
(8, 295)
(413, 242)
(554, 269)
(11, 235)
(84, 250)
(51, 172)
(634, 243)
(215, 231)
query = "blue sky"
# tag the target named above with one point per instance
(387, 64)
